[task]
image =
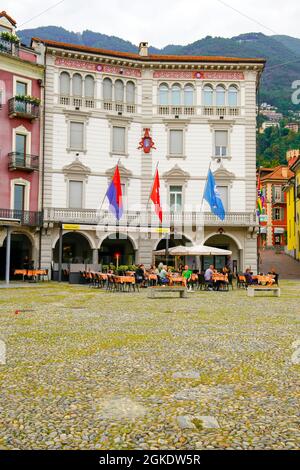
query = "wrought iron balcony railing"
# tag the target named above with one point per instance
(22, 161)
(28, 218)
(146, 219)
(9, 47)
(23, 109)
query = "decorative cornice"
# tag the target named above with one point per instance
(222, 173)
(176, 173)
(76, 168)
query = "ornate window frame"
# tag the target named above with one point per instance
(76, 171)
(26, 184)
(119, 121)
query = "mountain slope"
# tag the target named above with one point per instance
(282, 54)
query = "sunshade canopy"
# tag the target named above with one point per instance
(198, 250)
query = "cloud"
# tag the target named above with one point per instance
(160, 22)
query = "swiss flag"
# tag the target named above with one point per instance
(155, 196)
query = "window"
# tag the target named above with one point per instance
(220, 95)
(175, 198)
(77, 85)
(19, 197)
(232, 96)
(118, 140)
(107, 89)
(75, 194)
(64, 82)
(163, 94)
(89, 87)
(208, 95)
(76, 135)
(223, 191)
(119, 91)
(277, 213)
(277, 193)
(221, 143)
(21, 149)
(130, 93)
(176, 142)
(188, 95)
(176, 95)
(21, 88)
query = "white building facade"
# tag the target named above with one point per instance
(201, 113)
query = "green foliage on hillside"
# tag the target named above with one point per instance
(273, 144)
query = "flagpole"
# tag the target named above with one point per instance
(259, 231)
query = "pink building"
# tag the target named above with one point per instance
(21, 80)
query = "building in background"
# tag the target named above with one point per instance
(292, 190)
(200, 111)
(273, 228)
(20, 148)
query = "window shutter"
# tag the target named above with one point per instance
(221, 138)
(75, 194)
(119, 91)
(89, 87)
(118, 139)
(76, 135)
(223, 191)
(130, 93)
(107, 89)
(65, 84)
(77, 85)
(176, 142)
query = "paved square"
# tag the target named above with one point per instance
(89, 369)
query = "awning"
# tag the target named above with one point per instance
(279, 230)
(199, 250)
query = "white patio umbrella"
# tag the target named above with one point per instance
(197, 250)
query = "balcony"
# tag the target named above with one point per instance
(149, 219)
(23, 162)
(9, 47)
(23, 109)
(176, 110)
(27, 218)
(119, 107)
(217, 111)
(77, 101)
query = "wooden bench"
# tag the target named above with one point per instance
(252, 289)
(181, 289)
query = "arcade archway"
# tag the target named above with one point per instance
(225, 242)
(76, 249)
(20, 254)
(117, 248)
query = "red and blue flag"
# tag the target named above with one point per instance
(114, 195)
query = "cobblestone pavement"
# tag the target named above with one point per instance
(89, 369)
(285, 265)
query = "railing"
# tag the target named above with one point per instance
(9, 47)
(119, 107)
(18, 108)
(28, 218)
(77, 101)
(221, 111)
(145, 219)
(22, 161)
(176, 110)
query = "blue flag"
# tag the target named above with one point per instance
(212, 196)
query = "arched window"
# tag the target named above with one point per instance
(220, 95)
(176, 95)
(208, 95)
(107, 89)
(119, 91)
(64, 82)
(188, 95)
(232, 96)
(89, 86)
(163, 94)
(77, 84)
(130, 93)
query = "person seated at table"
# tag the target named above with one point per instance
(274, 274)
(208, 277)
(153, 269)
(249, 277)
(140, 275)
(163, 276)
(187, 275)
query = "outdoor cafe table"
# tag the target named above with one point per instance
(32, 273)
(177, 280)
(264, 280)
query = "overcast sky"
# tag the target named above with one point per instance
(160, 22)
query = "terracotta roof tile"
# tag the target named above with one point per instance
(276, 174)
(10, 19)
(151, 57)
